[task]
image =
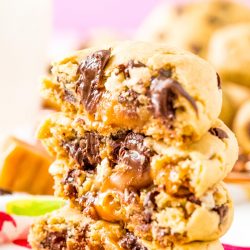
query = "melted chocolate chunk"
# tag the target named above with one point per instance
(130, 242)
(55, 240)
(69, 96)
(194, 200)
(133, 152)
(70, 184)
(124, 68)
(164, 91)
(218, 81)
(115, 143)
(85, 151)
(195, 48)
(218, 132)
(89, 85)
(150, 199)
(4, 192)
(222, 211)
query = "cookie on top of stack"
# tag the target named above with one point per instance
(139, 148)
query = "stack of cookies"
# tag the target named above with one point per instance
(140, 151)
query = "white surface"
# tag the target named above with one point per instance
(25, 27)
(239, 233)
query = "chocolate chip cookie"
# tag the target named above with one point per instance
(228, 52)
(150, 89)
(69, 229)
(191, 25)
(127, 155)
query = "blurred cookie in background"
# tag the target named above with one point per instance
(24, 167)
(229, 53)
(241, 127)
(191, 25)
(99, 37)
(234, 95)
(228, 110)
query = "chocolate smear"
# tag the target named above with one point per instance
(130, 242)
(89, 85)
(85, 151)
(218, 132)
(164, 91)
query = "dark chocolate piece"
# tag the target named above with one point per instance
(130, 242)
(194, 200)
(70, 184)
(89, 85)
(135, 158)
(150, 199)
(218, 132)
(218, 81)
(55, 240)
(69, 96)
(4, 192)
(164, 91)
(222, 211)
(124, 68)
(133, 152)
(85, 151)
(115, 144)
(195, 48)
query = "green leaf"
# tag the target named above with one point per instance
(33, 207)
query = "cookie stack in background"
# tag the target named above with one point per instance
(233, 63)
(219, 31)
(140, 151)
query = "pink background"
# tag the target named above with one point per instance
(79, 16)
